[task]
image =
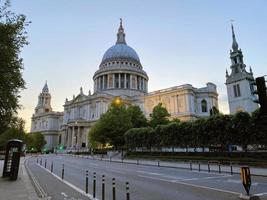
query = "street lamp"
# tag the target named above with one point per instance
(118, 101)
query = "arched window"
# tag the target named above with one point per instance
(204, 106)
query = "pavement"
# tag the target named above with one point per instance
(147, 182)
(21, 189)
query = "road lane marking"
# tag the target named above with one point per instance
(261, 194)
(69, 184)
(152, 173)
(117, 171)
(206, 178)
(64, 194)
(192, 185)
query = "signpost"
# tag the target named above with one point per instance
(246, 179)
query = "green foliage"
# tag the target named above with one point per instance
(111, 126)
(139, 137)
(214, 111)
(9, 134)
(13, 38)
(159, 116)
(35, 141)
(138, 119)
(215, 131)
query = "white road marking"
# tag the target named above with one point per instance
(261, 194)
(192, 185)
(204, 178)
(64, 194)
(69, 184)
(116, 171)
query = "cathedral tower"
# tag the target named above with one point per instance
(44, 101)
(238, 83)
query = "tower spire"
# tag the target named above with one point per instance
(234, 44)
(45, 88)
(121, 34)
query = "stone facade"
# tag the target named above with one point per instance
(239, 82)
(121, 74)
(46, 121)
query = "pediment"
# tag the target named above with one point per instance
(80, 97)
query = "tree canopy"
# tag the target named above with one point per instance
(159, 116)
(13, 39)
(111, 126)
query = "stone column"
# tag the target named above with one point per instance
(72, 136)
(113, 80)
(131, 82)
(125, 79)
(78, 137)
(140, 79)
(119, 80)
(86, 136)
(103, 81)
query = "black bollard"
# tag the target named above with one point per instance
(158, 164)
(62, 173)
(52, 167)
(113, 189)
(86, 182)
(137, 162)
(41, 163)
(219, 168)
(103, 187)
(37, 160)
(94, 185)
(231, 167)
(208, 166)
(45, 163)
(127, 191)
(190, 165)
(199, 166)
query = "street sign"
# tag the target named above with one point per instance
(246, 179)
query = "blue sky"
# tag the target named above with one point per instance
(178, 42)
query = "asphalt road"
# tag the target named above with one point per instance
(146, 182)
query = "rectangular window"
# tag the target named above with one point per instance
(237, 92)
(122, 80)
(116, 80)
(127, 80)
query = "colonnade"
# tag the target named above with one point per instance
(120, 80)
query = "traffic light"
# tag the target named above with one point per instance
(262, 94)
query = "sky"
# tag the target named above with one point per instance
(178, 42)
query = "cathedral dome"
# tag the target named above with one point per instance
(120, 50)
(120, 72)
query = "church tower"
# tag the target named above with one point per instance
(44, 101)
(238, 83)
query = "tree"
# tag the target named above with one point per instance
(138, 119)
(259, 128)
(111, 126)
(13, 38)
(9, 134)
(35, 141)
(159, 116)
(242, 128)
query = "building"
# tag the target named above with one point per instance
(45, 120)
(238, 83)
(121, 74)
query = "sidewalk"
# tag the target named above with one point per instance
(21, 189)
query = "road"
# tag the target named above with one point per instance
(146, 182)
